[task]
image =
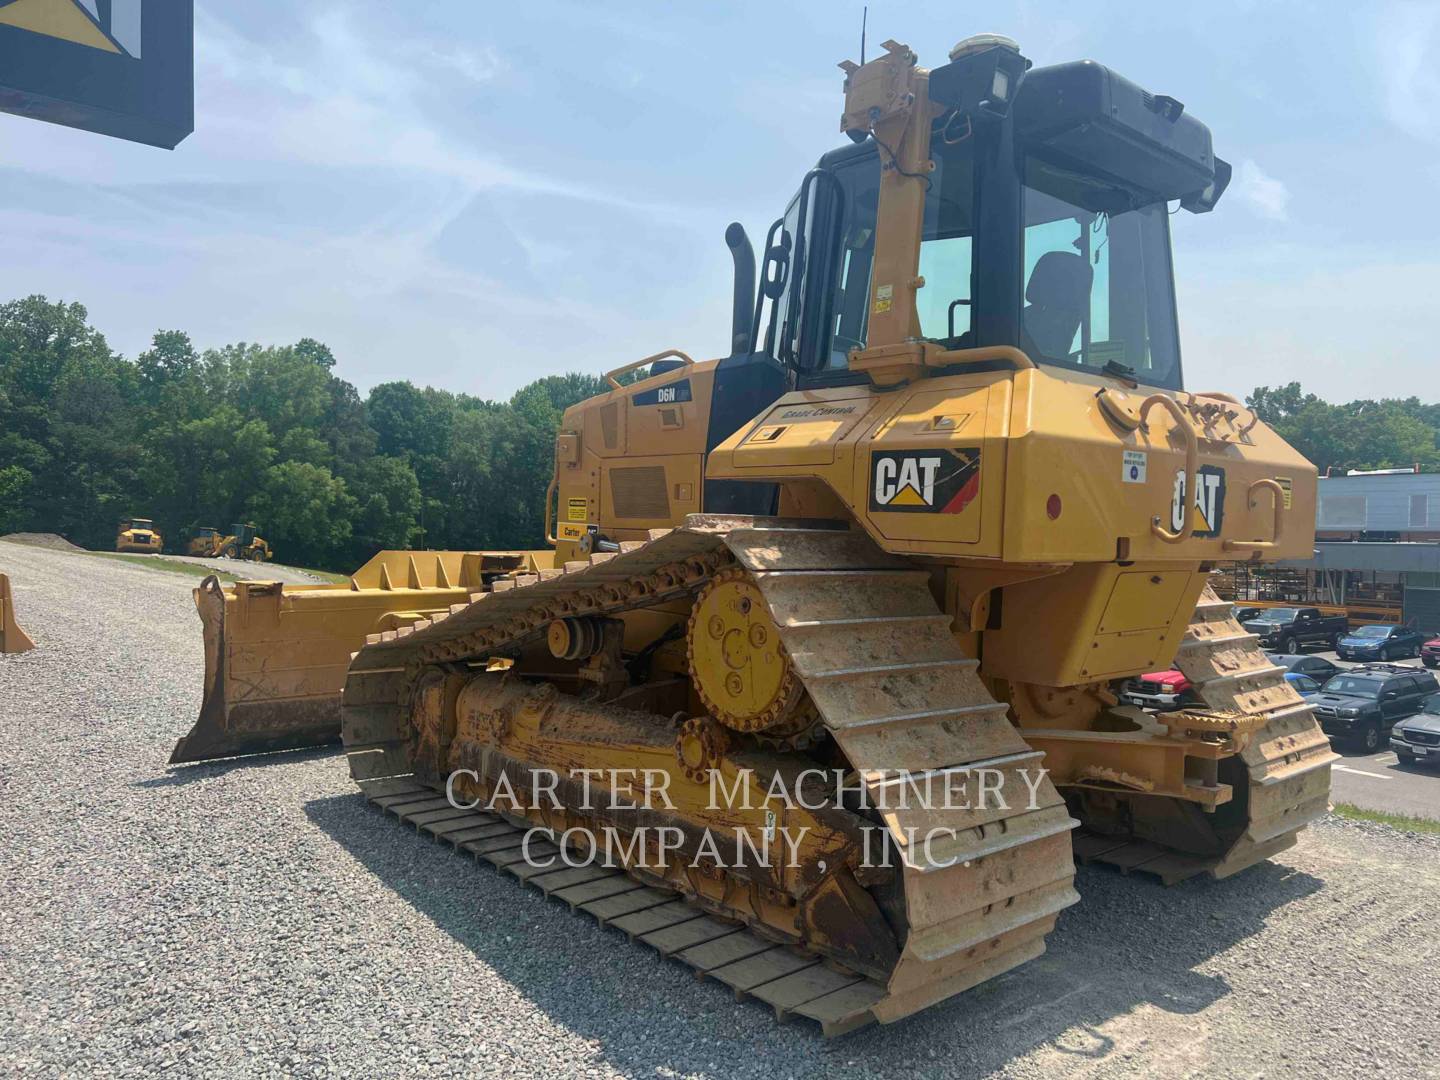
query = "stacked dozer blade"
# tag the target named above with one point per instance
(975, 884)
(276, 654)
(12, 638)
(1280, 777)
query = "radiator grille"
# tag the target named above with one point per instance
(640, 492)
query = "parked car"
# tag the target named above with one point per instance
(1418, 739)
(1380, 642)
(1288, 629)
(1430, 653)
(1163, 691)
(1166, 691)
(1317, 667)
(1359, 706)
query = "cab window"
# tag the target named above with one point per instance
(1098, 285)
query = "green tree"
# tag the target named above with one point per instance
(1363, 434)
(66, 406)
(388, 506)
(305, 513)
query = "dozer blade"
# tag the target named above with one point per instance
(276, 654)
(12, 638)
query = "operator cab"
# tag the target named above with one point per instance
(1045, 226)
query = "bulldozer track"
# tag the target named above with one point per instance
(893, 689)
(1286, 758)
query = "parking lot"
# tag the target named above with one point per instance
(1378, 781)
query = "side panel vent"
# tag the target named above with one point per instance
(640, 492)
(610, 425)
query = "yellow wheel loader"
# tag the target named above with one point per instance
(243, 543)
(890, 556)
(138, 534)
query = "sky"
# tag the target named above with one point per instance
(473, 195)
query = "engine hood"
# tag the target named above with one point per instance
(1422, 722)
(1364, 642)
(1341, 701)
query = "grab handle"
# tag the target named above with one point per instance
(1192, 455)
(1277, 498)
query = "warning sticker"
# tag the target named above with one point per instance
(577, 509)
(884, 297)
(1288, 486)
(1133, 467)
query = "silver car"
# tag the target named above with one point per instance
(1418, 738)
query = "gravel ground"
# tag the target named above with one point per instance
(45, 540)
(256, 918)
(291, 575)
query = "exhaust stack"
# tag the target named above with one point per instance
(743, 304)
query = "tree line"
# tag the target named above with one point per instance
(267, 434)
(1368, 433)
(270, 434)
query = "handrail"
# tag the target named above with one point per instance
(1192, 454)
(990, 352)
(1219, 396)
(1277, 497)
(550, 537)
(610, 376)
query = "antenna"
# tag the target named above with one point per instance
(864, 18)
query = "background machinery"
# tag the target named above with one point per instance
(243, 543)
(240, 542)
(138, 534)
(202, 541)
(943, 495)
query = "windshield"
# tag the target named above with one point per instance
(946, 246)
(1098, 283)
(1349, 684)
(140, 523)
(1279, 614)
(1373, 632)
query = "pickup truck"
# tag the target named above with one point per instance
(1166, 691)
(1162, 691)
(1288, 629)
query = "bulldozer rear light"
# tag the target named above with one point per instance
(1053, 507)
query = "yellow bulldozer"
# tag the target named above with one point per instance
(138, 534)
(895, 551)
(203, 541)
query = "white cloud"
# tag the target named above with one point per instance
(1261, 192)
(1408, 39)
